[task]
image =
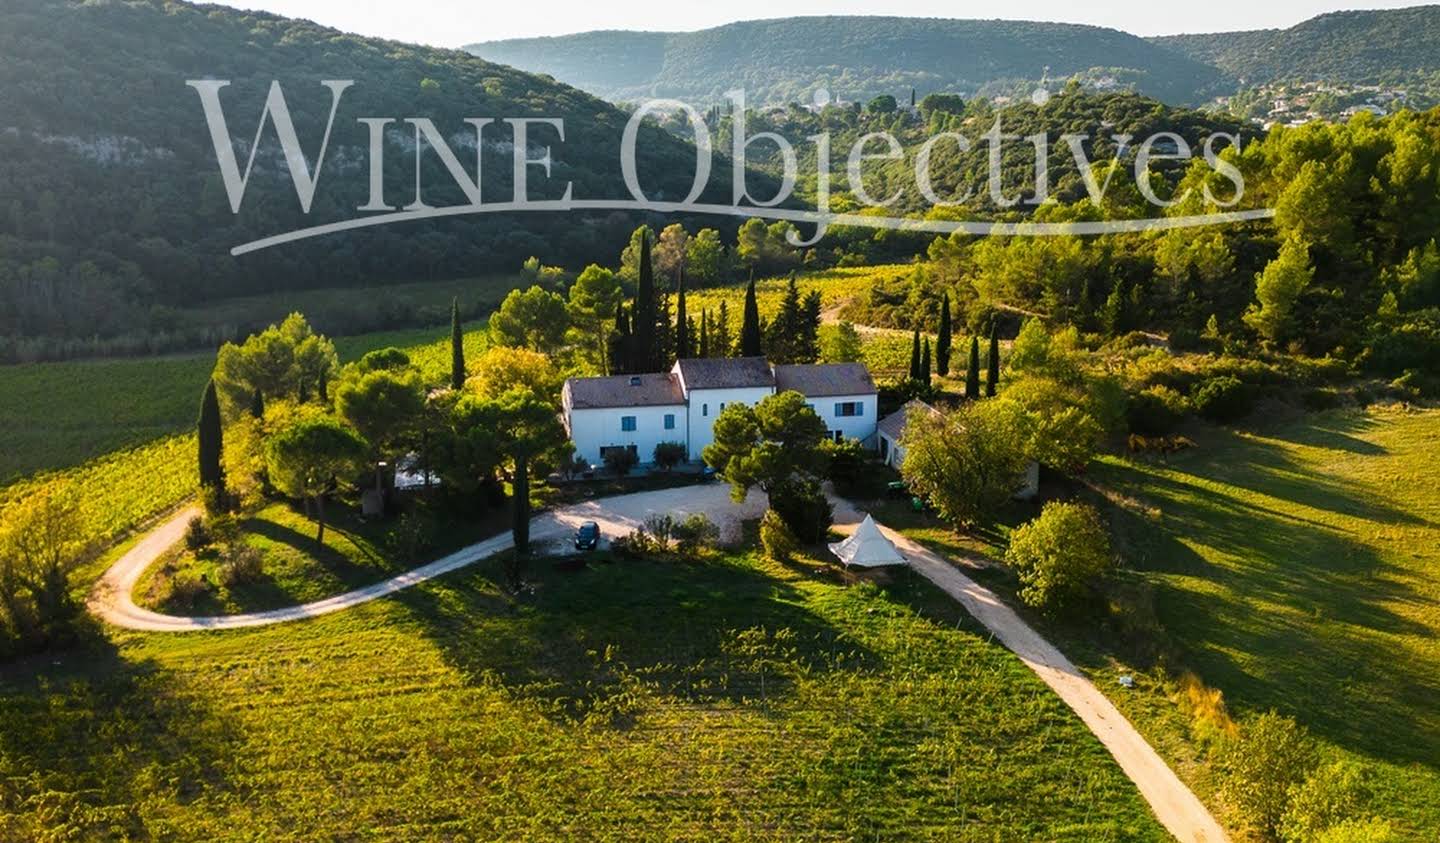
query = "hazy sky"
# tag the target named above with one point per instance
(451, 23)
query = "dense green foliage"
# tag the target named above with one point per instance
(788, 59)
(1357, 47)
(114, 198)
(1060, 555)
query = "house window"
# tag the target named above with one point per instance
(627, 424)
(704, 409)
(844, 409)
(669, 421)
(837, 435)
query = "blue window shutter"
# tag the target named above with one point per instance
(669, 421)
(838, 409)
(859, 408)
(627, 423)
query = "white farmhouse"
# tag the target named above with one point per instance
(637, 412)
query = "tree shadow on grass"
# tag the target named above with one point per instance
(90, 739)
(1287, 612)
(599, 639)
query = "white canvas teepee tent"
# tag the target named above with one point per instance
(867, 547)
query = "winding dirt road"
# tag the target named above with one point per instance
(1174, 804)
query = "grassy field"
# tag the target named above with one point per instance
(732, 699)
(59, 415)
(354, 310)
(1295, 566)
(1298, 564)
(836, 287)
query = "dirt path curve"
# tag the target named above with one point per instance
(112, 598)
(1177, 808)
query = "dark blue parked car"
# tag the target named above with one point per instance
(588, 536)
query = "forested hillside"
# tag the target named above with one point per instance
(112, 209)
(778, 61)
(1356, 47)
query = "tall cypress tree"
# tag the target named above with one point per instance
(721, 344)
(942, 342)
(257, 405)
(915, 357)
(457, 347)
(664, 355)
(750, 330)
(644, 356)
(324, 387)
(972, 377)
(783, 343)
(211, 441)
(684, 335)
(704, 333)
(925, 363)
(620, 343)
(993, 380)
(809, 343)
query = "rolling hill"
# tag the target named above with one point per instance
(853, 57)
(113, 213)
(1355, 47)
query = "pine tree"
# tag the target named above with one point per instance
(684, 327)
(915, 357)
(972, 376)
(457, 347)
(993, 379)
(721, 343)
(809, 345)
(211, 442)
(942, 342)
(257, 405)
(704, 333)
(620, 343)
(925, 362)
(643, 355)
(750, 329)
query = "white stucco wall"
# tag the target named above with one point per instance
(590, 430)
(702, 423)
(860, 427)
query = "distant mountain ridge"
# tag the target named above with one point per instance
(1356, 47)
(852, 57)
(787, 60)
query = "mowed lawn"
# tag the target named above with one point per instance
(727, 700)
(1299, 566)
